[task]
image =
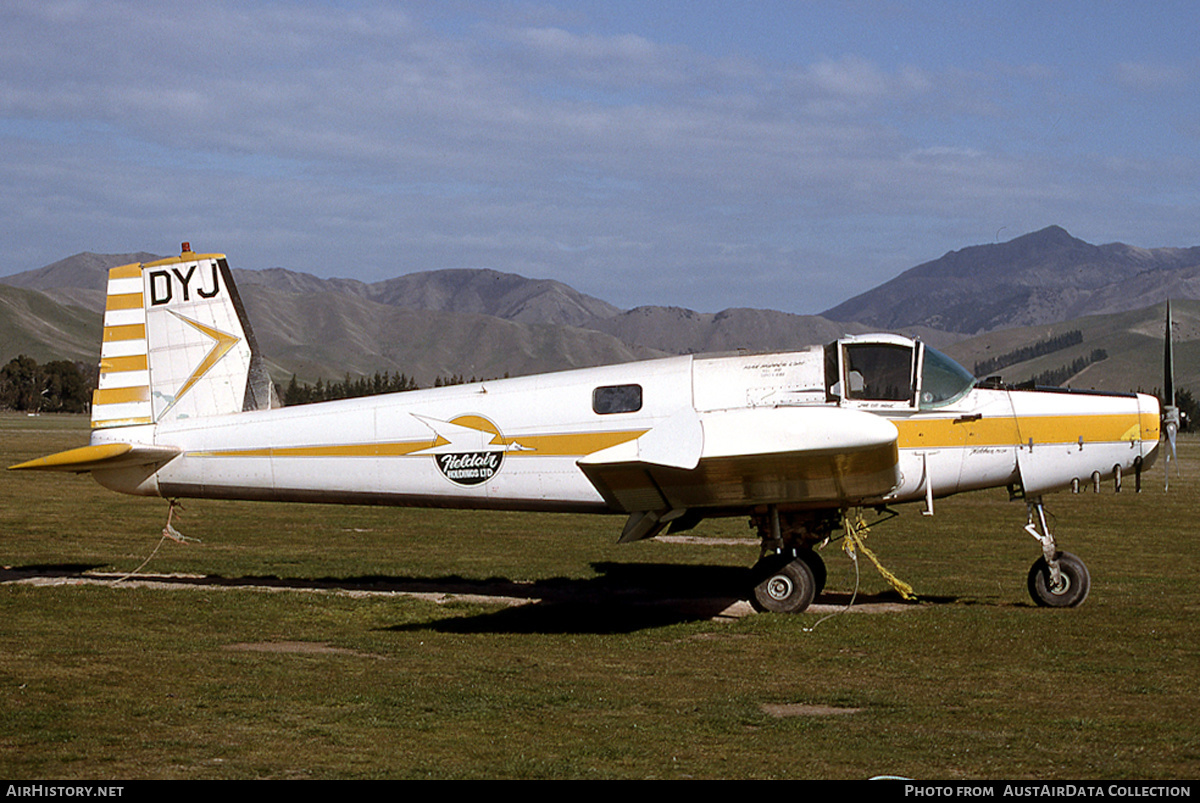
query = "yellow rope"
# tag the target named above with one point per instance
(856, 531)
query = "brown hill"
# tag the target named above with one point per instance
(482, 292)
(329, 334)
(85, 271)
(684, 331)
(1039, 278)
(36, 325)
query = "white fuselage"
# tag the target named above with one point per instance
(723, 433)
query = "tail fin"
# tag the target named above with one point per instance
(177, 344)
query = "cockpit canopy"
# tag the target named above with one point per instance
(889, 371)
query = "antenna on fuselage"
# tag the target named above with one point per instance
(1170, 411)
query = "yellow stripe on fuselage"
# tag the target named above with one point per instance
(926, 433)
(574, 444)
(333, 450)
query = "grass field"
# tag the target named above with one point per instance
(293, 657)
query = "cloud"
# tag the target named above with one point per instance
(1146, 77)
(372, 141)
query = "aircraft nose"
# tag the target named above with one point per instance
(1150, 421)
(1149, 416)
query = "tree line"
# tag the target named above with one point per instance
(304, 393)
(59, 386)
(298, 392)
(1038, 349)
(1056, 376)
(62, 386)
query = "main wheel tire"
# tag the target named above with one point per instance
(783, 586)
(1076, 582)
(816, 566)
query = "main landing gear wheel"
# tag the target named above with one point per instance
(1072, 589)
(784, 585)
(815, 565)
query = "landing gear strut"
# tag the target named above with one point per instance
(1057, 579)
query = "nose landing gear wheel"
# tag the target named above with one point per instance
(1072, 589)
(784, 585)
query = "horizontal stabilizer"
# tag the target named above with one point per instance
(98, 457)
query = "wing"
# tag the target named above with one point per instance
(735, 459)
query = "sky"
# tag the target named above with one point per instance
(708, 155)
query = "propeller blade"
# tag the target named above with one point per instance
(1170, 411)
(1168, 362)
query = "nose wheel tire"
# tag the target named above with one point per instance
(783, 585)
(1072, 589)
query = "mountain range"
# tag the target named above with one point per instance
(1039, 278)
(974, 303)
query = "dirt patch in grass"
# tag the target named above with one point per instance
(438, 591)
(781, 710)
(300, 647)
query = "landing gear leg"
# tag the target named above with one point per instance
(1057, 579)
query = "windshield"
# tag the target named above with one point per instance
(943, 381)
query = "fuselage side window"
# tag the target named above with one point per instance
(879, 372)
(617, 399)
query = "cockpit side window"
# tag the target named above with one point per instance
(943, 381)
(879, 372)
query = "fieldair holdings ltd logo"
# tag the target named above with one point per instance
(472, 451)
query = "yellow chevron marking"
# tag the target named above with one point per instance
(223, 343)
